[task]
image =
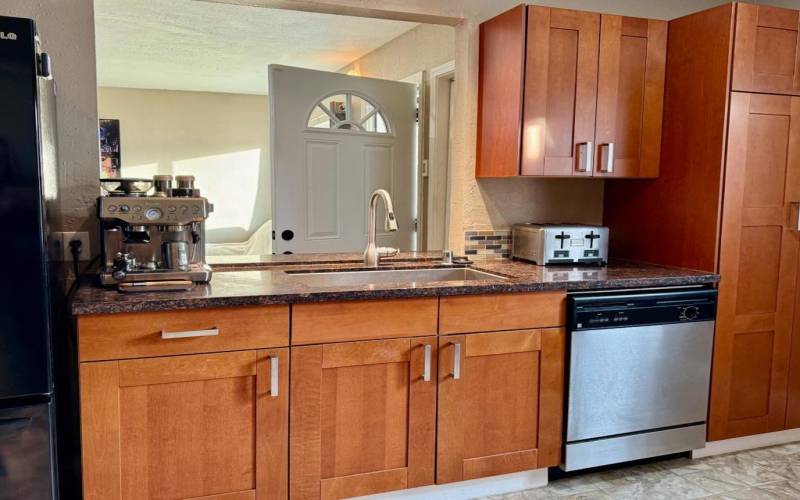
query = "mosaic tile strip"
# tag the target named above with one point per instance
(491, 244)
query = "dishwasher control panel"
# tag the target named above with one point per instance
(622, 309)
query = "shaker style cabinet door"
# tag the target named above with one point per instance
(212, 426)
(501, 71)
(759, 252)
(630, 96)
(500, 403)
(363, 417)
(766, 54)
(560, 92)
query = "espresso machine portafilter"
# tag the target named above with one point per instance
(153, 242)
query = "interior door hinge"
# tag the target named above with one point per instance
(424, 170)
(416, 115)
(416, 224)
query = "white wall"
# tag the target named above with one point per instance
(221, 139)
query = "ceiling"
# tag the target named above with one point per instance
(199, 46)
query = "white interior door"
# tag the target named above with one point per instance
(335, 139)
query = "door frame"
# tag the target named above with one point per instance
(438, 169)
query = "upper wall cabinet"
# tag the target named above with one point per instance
(767, 50)
(569, 93)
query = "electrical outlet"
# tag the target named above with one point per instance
(83, 237)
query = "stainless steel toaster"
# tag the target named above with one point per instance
(546, 244)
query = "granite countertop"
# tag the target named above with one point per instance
(239, 283)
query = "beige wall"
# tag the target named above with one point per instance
(422, 48)
(66, 29)
(221, 139)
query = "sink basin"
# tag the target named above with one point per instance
(390, 276)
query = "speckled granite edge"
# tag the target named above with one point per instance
(232, 289)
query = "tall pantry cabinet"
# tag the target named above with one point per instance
(727, 201)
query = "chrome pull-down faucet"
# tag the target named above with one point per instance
(373, 253)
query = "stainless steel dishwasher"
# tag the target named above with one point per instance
(638, 374)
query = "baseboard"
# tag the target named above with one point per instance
(463, 490)
(747, 443)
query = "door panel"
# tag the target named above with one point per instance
(766, 54)
(500, 83)
(186, 426)
(630, 96)
(362, 417)
(494, 411)
(758, 263)
(335, 139)
(26, 453)
(560, 89)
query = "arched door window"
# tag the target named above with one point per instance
(348, 111)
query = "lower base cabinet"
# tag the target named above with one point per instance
(364, 414)
(500, 403)
(210, 426)
(363, 417)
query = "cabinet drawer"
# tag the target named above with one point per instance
(139, 335)
(512, 311)
(363, 320)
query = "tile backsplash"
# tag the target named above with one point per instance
(492, 244)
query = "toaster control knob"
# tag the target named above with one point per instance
(153, 213)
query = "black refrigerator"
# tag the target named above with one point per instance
(27, 185)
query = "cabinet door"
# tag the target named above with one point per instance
(500, 403)
(208, 425)
(766, 56)
(500, 75)
(362, 417)
(630, 96)
(758, 263)
(560, 91)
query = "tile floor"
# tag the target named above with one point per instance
(766, 473)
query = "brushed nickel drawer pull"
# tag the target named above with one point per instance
(426, 372)
(211, 332)
(456, 360)
(273, 376)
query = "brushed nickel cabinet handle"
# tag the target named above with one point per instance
(795, 224)
(585, 159)
(607, 158)
(273, 376)
(456, 360)
(426, 371)
(211, 332)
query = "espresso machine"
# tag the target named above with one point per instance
(153, 241)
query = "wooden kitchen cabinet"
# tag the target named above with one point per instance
(205, 425)
(362, 418)
(630, 96)
(758, 263)
(767, 50)
(592, 91)
(560, 90)
(500, 403)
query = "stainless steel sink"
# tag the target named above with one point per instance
(390, 276)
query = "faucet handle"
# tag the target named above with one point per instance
(447, 256)
(387, 251)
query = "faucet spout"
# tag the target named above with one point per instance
(373, 253)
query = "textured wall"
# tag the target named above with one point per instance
(67, 32)
(221, 139)
(423, 48)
